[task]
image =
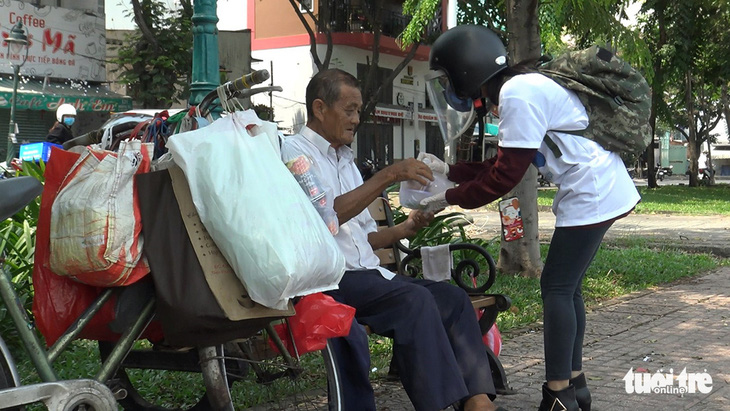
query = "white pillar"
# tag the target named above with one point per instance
(451, 14)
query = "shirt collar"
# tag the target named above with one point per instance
(323, 145)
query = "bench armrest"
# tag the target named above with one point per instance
(467, 274)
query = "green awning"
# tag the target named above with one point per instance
(32, 95)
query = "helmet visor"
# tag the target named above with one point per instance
(455, 114)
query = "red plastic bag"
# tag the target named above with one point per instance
(492, 339)
(318, 317)
(58, 301)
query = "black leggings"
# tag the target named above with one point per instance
(571, 252)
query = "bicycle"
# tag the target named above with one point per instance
(221, 365)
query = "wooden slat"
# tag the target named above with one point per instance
(386, 256)
(481, 301)
(377, 211)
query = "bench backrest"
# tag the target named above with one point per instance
(383, 215)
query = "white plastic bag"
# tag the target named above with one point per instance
(255, 211)
(412, 192)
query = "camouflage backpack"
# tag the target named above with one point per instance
(616, 97)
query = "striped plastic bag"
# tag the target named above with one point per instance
(95, 219)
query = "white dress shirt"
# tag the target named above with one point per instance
(338, 174)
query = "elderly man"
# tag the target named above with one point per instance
(437, 343)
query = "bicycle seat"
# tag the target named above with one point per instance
(17, 192)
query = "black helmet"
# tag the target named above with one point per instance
(469, 55)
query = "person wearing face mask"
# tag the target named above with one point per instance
(61, 130)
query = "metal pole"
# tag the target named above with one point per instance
(205, 76)
(11, 128)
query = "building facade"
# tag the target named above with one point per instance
(402, 125)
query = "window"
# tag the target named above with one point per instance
(305, 5)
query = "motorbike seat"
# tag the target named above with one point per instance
(17, 193)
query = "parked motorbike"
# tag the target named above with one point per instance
(662, 172)
(706, 174)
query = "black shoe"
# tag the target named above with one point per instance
(582, 395)
(563, 400)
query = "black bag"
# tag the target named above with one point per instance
(186, 307)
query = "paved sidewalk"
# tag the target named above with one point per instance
(683, 326)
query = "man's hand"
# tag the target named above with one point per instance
(410, 169)
(435, 203)
(434, 163)
(417, 219)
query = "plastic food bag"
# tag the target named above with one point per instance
(261, 220)
(95, 222)
(318, 318)
(300, 167)
(412, 192)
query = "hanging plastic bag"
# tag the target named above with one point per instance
(258, 216)
(493, 339)
(59, 301)
(95, 221)
(300, 166)
(318, 318)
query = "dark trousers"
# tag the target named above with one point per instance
(437, 344)
(571, 252)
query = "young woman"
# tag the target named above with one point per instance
(470, 68)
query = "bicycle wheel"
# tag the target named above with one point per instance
(8, 373)
(311, 383)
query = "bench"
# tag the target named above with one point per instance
(467, 274)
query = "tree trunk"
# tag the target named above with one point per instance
(692, 146)
(523, 256)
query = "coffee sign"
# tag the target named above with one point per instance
(64, 43)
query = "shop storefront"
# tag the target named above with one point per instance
(65, 64)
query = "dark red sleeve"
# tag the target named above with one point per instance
(462, 172)
(495, 177)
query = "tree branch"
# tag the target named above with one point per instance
(312, 37)
(139, 18)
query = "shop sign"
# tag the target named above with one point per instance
(428, 117)
(64, 43)
(51, 102)
(393, 113)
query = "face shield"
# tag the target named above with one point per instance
(455, 114)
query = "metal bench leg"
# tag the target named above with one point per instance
(499, 377)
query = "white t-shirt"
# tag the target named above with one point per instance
(593, 184)
(338, 174)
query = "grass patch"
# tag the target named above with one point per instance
(674, 199)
